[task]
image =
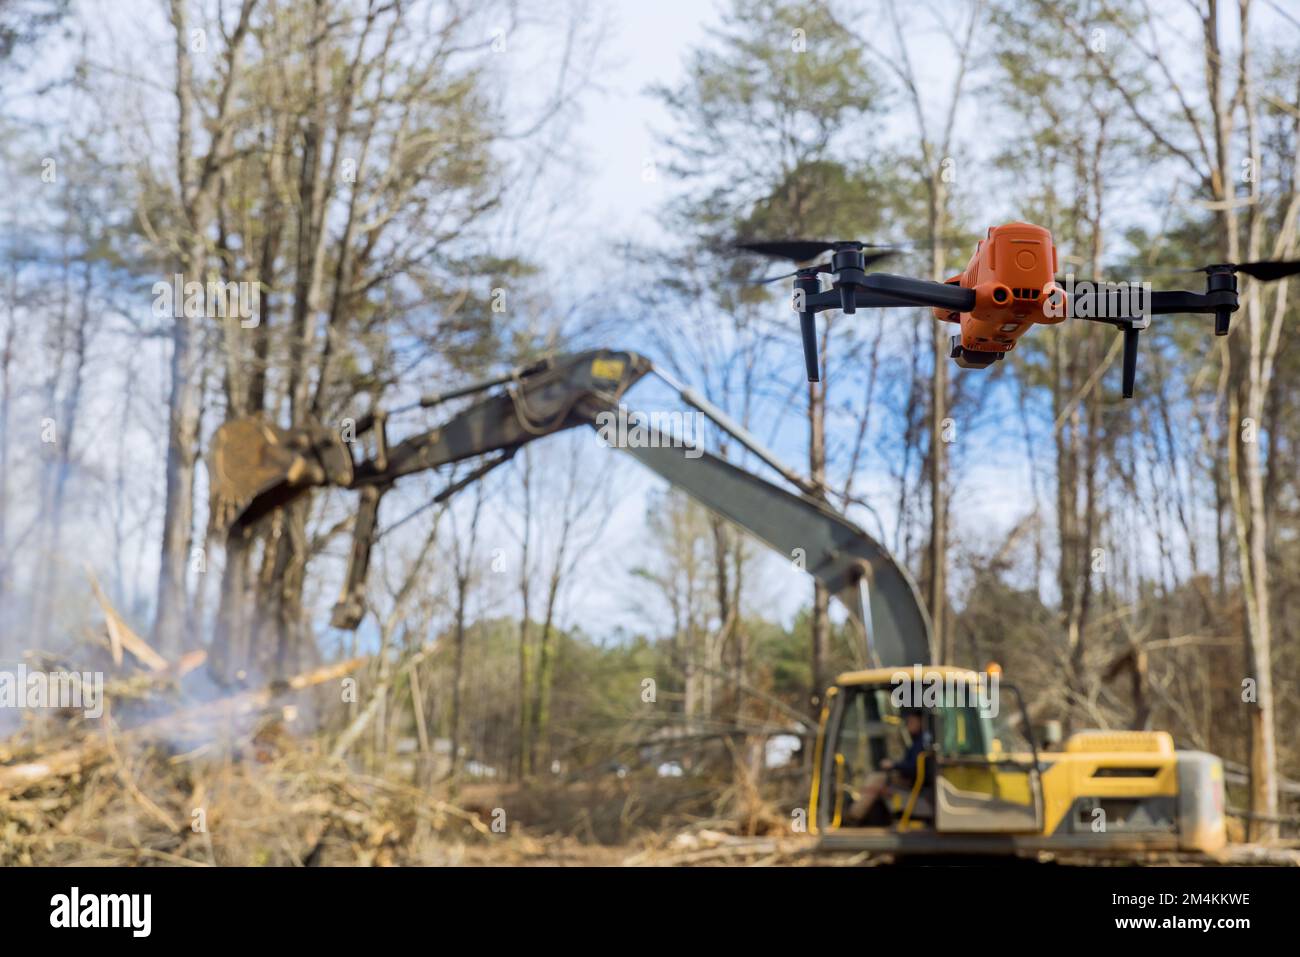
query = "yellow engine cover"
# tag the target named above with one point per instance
(1146, 742)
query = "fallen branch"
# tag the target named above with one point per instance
(120, 634)
(139, 684)
(362, 720)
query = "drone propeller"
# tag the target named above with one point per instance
(802, 250)
(820, 267)
(867, 260)
(848, 265)
(1220, 276)
(1265, 270)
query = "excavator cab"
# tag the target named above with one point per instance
(978, 772)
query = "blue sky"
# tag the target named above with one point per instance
(610, 201)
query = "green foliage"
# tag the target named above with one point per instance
(774, 119)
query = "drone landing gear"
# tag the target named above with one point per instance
(970, 358)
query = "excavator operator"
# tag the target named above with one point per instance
(921, 740)
(895, 777)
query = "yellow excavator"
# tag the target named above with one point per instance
(984, 781)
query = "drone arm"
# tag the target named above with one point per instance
(881, 290)
(1169, 302)
(920, 292)
(874, 291)
(1221, 303)
(1132, 312)
(878, 300)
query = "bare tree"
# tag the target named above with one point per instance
(198, 176)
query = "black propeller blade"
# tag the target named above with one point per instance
(1267, 270)
(867, 260)
(801, 250)
(820, 267)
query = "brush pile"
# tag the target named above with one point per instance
(156, 774)
(224, 782)
(167, 769)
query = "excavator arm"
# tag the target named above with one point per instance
(258, 467)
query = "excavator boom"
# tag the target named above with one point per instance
(853, 566)
(258, 467)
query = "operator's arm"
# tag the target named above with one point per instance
(907, 766)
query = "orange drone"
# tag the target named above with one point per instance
(1008, 286)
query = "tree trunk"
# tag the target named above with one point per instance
(820, 625)
(6, 398)
(545, 672)
(178, 512)
(457, 674)
(938, 557)
(198, 184)
(523, 763)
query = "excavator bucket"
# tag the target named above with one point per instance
(256, 466)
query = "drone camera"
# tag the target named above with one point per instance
(971, 358)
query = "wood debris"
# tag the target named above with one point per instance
(104, 794)
(121, 636)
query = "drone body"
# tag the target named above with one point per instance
(1012, 274)
(1008, 285)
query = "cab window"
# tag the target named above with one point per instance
(961, 731)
